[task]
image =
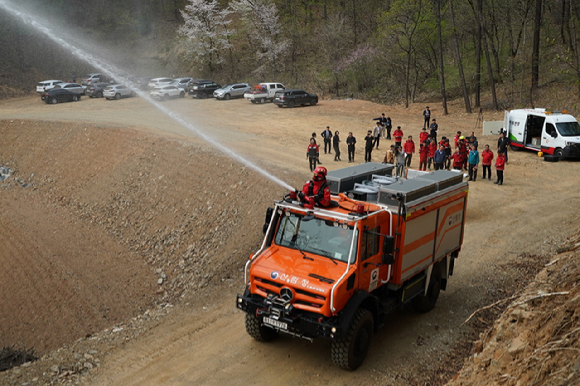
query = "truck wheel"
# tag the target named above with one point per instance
(350, 351)
(515, 148)
(425, 303)
(255, 329)
(253, 101)
(262, 100)
(559, 153)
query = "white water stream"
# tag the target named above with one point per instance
(116, 73)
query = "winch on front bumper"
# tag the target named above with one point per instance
(277, 313)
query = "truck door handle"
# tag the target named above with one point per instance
(369, 263)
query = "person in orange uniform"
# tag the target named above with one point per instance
(499, 166)
(398, 135)
(409, 149)
(315, 191)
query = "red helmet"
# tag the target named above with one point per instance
(320, 173)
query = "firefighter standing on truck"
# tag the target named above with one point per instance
(316, 191)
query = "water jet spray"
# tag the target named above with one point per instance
(117, 74)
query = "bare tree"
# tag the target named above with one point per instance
(437, 6)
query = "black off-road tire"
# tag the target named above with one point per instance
(350, 352)
(559, 153)
(425, 303)
(256, 330)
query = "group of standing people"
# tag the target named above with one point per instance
(432, 153)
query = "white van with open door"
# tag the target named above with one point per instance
(551, 132)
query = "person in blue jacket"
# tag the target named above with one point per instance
(473, 161)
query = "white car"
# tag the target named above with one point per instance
(166, 92)
(236, 90)
(74, 87)
(181, 83)
(117, 91)
(159, 82)
(46, 85)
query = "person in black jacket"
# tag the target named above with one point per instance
(502, 145)
(350, 142)
(369, 145)
(335, 142)
(327, 135)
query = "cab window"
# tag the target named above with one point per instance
(370, 243)
(550, 129)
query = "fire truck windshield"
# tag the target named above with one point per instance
(317, 236)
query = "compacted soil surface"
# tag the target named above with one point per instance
(124, 236)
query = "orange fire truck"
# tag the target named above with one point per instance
(335, 272)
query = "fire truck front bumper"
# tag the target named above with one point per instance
(283, 317)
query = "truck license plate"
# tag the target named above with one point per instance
(275, 323)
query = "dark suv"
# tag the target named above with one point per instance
(202, 88)
(294, 97)
(96, 90)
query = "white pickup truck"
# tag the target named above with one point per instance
(263, 92)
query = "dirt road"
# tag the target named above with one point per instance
(202, 341)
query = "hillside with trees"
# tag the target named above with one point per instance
(394, 51)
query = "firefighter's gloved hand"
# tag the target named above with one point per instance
(301, 195)
(316, 199)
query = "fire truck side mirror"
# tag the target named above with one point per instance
(388, 244)
(388, 249)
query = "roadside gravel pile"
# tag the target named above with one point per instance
(536, 341)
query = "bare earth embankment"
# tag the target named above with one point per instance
(124, 237)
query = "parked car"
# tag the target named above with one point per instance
(95, 78)
(166, 93)
(117, 91)
(294, 97)
(46, 85)
(159, 82)
(202, 88)
(57, 95)
(181, 83)
(236, 90)
(74, 87)
(264, 92)
(96, 90)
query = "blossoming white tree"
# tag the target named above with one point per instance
(206, 31)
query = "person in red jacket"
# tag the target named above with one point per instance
(423, 135)
(457, 159)
(499, 166)
(464, 151)
(486, 158)
(409, 149)
(457, 136)
(312, 153)
(315, 191)
(423, 155)
(398, 135)
(432, 148)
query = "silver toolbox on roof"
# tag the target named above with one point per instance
(343, 180)
(405, 191)
(443, 178)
